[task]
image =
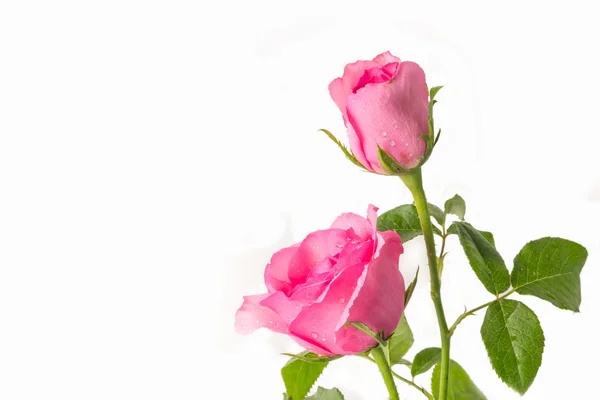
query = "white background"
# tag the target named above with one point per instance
(153, 155)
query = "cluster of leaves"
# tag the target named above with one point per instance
(547, 268)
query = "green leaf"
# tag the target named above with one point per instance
(549, 268)
(410, 289)
(436, 213)
(400, 342)
(433, 91)
(326, 394)
(346, 152)
(389, 165)
(403, 219)
(404, 362)
(456, 206)
(514, 341)
(460, 385)
(489, 236)
(484, 258)
(425, 359)
(299, 376)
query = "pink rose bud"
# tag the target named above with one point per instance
(384, 103)
(347, 273)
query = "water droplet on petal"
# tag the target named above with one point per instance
(314, 335)
(343, 300)
(392, 143)
(383, 133)
(323, 339)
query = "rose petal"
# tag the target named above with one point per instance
(252, 316)
(392, 115)
(376, 75)
(352, 254)
(317, 324)
(378, 300)
(340, 88)
(362, 227)
(276, 272)
(386, 58)
(315, 248)
(286, 309)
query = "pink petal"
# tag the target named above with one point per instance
(308, 293)
(286, 309)
(356, 145)
(252, 316)
(361, 226)
(386, 58)
(372, 218)
(376, 75)
(378, 300)
(353, 254)
(312, 346)
(276, 272)
(392, 115)
(318, 323)
(315, 248)
(256, 313)
(340, 88)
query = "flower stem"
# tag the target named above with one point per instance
(386, 372)
(403, 379)
(414, 182)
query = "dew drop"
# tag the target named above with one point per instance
(343, 300)
(392, 143)
(314, 335)
(323, 339)
(383, 133)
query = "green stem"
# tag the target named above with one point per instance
(414, 182)
(474, 310)
(386, 372)
(403, 379)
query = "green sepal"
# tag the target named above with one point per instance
(346, 152)
(311, 357)
(379, 337)
(433, 91)
(388, 164)
(430, 138)
(410, 289)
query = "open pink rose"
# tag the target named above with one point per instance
(383, 102)
(348, 272)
